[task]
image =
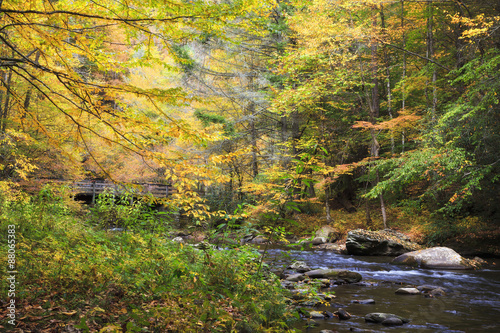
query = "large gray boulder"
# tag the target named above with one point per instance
(379, 243)
(434, 258)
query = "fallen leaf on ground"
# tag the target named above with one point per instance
(69, 313)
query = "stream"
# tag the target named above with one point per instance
(472, 305)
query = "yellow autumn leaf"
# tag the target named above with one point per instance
(69, 313)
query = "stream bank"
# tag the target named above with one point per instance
(470, 302)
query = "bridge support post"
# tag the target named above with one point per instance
(93, 193)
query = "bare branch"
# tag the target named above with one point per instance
(100, 17)
(415, 54)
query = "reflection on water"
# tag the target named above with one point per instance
(472, 303)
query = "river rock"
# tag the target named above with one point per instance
(433, 291)
(437, 292)
(379, 243)
(392, 321)
(407, 291)
(425, 288)
(204, 245)
(366, 284)
(311, 323)
(246, 239)
(338, 274)
(480, 261)
(295, 277)
(434, 258)
(300, 266)
(259, 240)
(326, 297)
(342, 314)
(318, 240)
(288, 284)
(328, 314)
(379, 318)
(337, 248)
(325, 283)
(178, 240)
(316, 315)
(329, 233)
(299, 294)
(364, 301)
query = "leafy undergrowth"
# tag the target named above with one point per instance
(76, 279)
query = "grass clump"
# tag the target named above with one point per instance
(72, 274)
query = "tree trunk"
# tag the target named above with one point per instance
(2, 116)
(27, 99)
(388, 76)
(327, 205)
(5, 111)
(253, 133)
(295, 132)
(382, 205)
(375, 109)
(430, 55)
(367, 212)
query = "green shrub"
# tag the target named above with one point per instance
(128, 213)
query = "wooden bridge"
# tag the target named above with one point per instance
(90, 189)
(94, 188)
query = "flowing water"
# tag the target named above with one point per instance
(472, 303)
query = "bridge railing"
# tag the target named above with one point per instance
(94, 188)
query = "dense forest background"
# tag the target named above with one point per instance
(309, 106)
(284, 114)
